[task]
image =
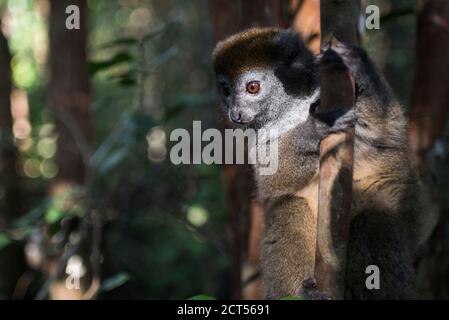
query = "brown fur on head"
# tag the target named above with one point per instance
(250, 49)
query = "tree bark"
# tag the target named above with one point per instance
(428, 120)
(338, 20)
(69, 90)
(69, 100)
(306, 21)
(430, 99)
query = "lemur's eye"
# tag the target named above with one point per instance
(253, 87)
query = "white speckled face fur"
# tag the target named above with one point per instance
(271, 107)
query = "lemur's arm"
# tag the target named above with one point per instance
(386, 192)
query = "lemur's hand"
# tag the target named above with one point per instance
(352, 56)
(341, 117)
(360, 66)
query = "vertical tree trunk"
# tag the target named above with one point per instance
(69, 100)
(11, 258)
(69, 92)
(430, 99)
(338, 19)
(428, 120)
(306, 21)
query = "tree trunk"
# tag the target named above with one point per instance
(430, 99)
(69, 101)
(306, 21)
(428, 119)
(338, 20)
(69, 91)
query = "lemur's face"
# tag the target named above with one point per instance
(261, 73)
(247, 99)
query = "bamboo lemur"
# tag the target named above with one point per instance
(267, 78)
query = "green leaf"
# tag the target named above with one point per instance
(53, 215)
(4, 240)
(127, 82)
(95, 66)
(114, 282)
(202, 297)
(126, 41)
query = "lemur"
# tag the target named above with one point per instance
(267, 78)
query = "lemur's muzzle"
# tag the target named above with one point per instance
(240, 117)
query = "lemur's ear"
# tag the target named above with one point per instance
(287, 45)
(295, 64)
(291, 49)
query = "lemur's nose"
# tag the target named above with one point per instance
(240, 117)
(236, 116)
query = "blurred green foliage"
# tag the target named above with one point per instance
(164, 236)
